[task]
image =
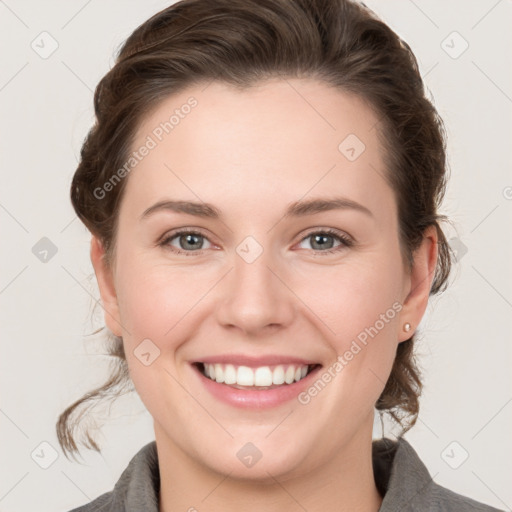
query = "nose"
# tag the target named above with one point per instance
(255, 296)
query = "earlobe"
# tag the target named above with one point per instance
(106, 286)
(419, 284)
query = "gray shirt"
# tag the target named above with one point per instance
(401, 478)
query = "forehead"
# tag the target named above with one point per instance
(279, 140)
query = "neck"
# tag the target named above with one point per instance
(344, 483)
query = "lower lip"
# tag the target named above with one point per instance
(254, 398)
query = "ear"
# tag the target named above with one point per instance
(417, 289)
(106, 285)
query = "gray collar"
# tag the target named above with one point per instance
(400, 476)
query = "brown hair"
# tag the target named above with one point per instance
(242, 42)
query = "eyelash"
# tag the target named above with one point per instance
(345, 241)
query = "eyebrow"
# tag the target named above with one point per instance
(295, 209)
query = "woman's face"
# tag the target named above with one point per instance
(264, 282)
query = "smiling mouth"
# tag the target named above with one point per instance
(259, 378)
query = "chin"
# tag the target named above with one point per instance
(257, 459)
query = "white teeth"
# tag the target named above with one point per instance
(230, 374)
(289, 376)
(244, 376)
(219, 373)
(278, 375)
(262, 376)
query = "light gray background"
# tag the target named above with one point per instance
(45, 364)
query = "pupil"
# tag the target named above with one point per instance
(320, 237)
(189, 237)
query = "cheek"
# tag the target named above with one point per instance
(358, 305)
(351, 297)
(153, 298)
(156, 304)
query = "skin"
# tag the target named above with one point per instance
(251, 153)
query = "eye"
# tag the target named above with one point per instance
(321, 244)
(189, 242)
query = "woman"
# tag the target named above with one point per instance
(262, 187)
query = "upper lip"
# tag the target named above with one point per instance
(253, 361)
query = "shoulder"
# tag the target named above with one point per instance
(137, 488)
(406, 484)
(445, 500)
